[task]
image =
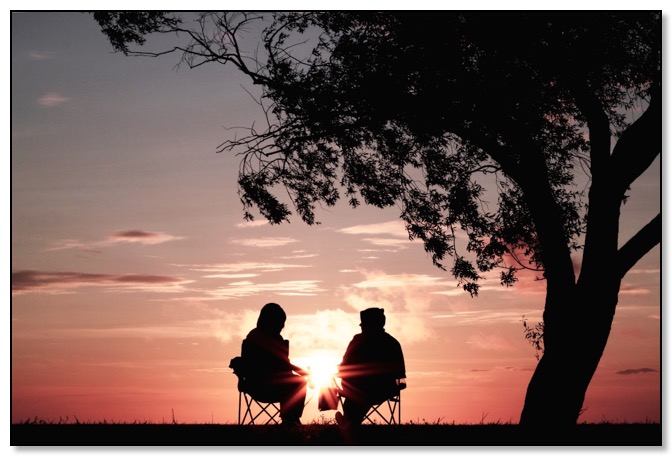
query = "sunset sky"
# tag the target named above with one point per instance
(135, 277)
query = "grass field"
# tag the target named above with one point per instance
(481, 435)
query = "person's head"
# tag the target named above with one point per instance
(271, 318)
(372, 319)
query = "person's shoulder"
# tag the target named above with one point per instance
(255, 334)
(391, 338)
(356, 340)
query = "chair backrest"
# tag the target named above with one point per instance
(265, 410)
(238, 366)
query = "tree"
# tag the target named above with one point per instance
(428, 111)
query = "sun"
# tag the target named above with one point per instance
(322, 365)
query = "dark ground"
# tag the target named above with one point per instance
(330, 435)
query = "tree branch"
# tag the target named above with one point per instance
(598, 128)
(640, 244)
(639, 144)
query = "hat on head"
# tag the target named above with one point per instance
(372, 317)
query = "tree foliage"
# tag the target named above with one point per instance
(421, 110)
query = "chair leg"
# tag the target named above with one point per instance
(399, 411)
(271, 410)
(248, 410)
(240, 394)
(264, 410)
(374, 409)
(393, 407)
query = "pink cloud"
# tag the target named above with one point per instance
(120, 237)
(395, 244)
(264, 242)
(489, 342)
(27, 281)
(643, 370)
(252, 224)
(142, 237)
(284, 288)
(249, 269)
(134, 234)
(629, 289)
(51, 99)
(392, 228)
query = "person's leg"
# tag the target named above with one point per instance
(293, 399)
(354, 411)
(357, 399)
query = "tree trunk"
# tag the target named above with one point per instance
(577, 322)
(577, 319)
(574, 341)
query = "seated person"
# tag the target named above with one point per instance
(370, 368)
(269, 375)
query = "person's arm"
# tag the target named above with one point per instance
(400, 364)
(285, 356)
(345, 368)
(300, 371)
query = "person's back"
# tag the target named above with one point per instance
(266, 356)
(371, 365)
(269, 375)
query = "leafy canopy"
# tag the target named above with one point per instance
(426, 111)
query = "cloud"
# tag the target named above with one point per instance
(396, 229)
(52, 99)
(264, 242)
(630, 289)
(481, 317)
(120, 237)
(242, 269)
(298, 255)
(396, 244)
(50, 282)
(457, 291)
(141, 237)
(322, 330)
(211, 323)
(406, 298)
(643, 370)
(655, 271)
(284, 288)
(489, 342)
(392, 228)
(252, 224)
(39, 55)
(231, 276)
(381, 280)
(65, 244)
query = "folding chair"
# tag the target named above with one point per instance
(254, 409)
(250, 409)
(388, 410)
(390, 414)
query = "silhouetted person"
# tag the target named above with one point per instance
(269, 374)
(371, 365)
